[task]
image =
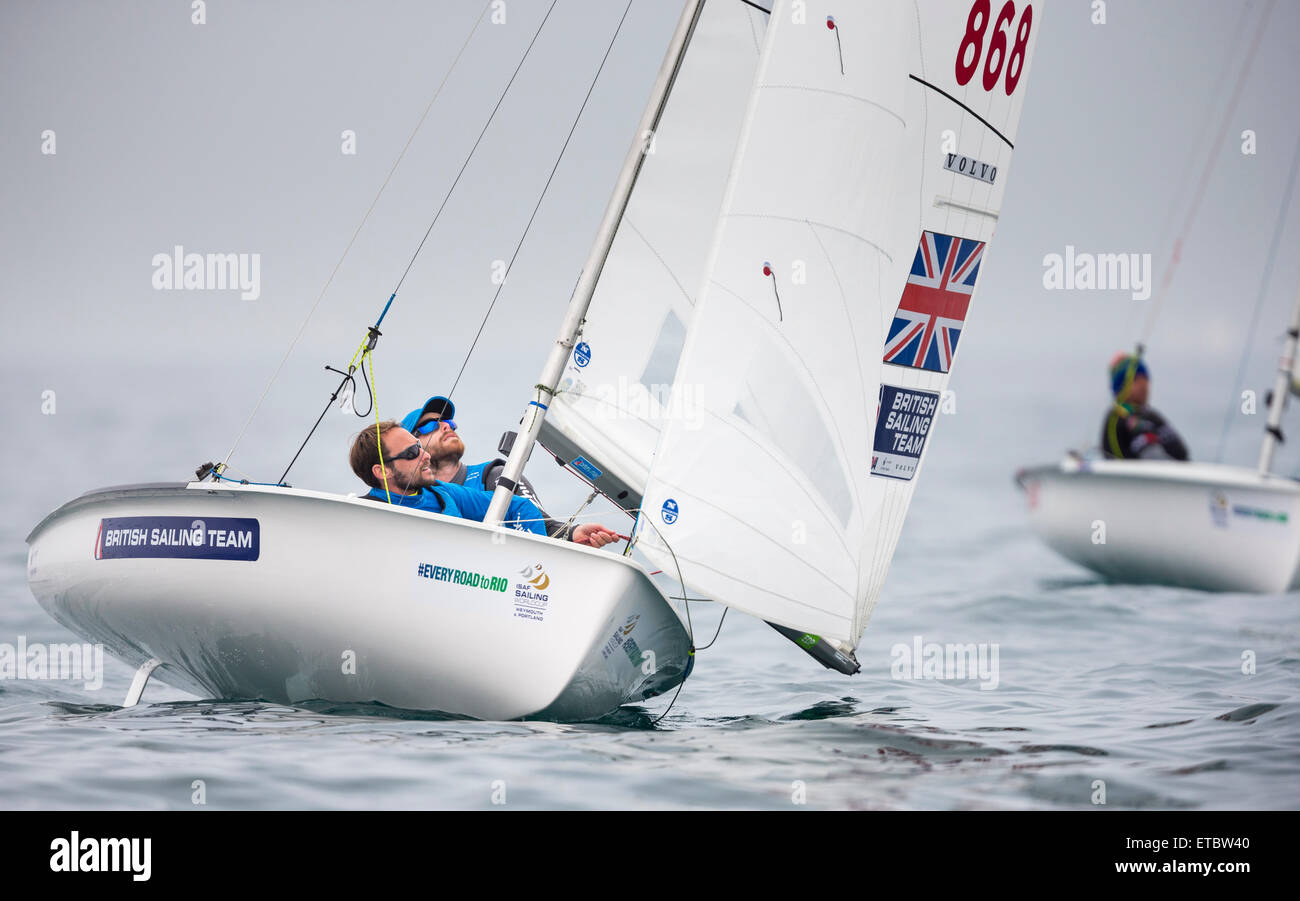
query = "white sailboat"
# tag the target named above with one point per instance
(1196, 525)
(814, 254)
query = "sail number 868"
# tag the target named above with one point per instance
(971, 48)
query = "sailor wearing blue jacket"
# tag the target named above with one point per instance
(435, 427)
(406, 478)
(445, 448)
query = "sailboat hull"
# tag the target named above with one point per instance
(1195, 525)
(290, 595)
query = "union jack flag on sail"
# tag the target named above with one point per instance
(932, 310)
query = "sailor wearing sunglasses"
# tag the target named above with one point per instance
(434, 427)
(405, 478)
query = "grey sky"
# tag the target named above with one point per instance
(225, 137)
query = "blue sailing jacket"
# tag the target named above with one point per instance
(467, 503)
(474, 474)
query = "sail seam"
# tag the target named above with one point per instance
(765, 589)
(662, 261)
(853, 335)
(826, 225)
(884, 546)
(758, 46)
(843, 446)
(819, 504)
(855, 97)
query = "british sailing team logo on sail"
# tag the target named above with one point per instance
(187, 537)
(932, 311)
(902, 423)
(531, 597)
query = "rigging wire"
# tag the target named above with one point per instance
(1167, 277)
(690, 627)
(1188, 167)
(687, 604)
(567, 529)
(374, 333)
(1259, 300)
(387, 178)
(1213, 152)
(721, 620)
(538, 206)
(470, 156)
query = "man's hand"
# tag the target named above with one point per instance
(594, 535)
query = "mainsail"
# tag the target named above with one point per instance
(865, 189)
(611, 401)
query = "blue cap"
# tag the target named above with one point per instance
(438, 405)
(1119, 367)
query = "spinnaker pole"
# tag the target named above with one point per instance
(544, 390)
(1281, 388)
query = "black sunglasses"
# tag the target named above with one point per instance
(410, 453)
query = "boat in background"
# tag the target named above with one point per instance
(1207, 526)
(1195, 525)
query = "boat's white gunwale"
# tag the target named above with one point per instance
(229, 490)
(1210, 475)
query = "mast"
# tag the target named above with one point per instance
(544, 390)
(1281, 388)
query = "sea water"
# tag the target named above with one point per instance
(994, 675)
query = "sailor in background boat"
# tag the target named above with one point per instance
(435, 427)
(405, 478)
(1132, 430)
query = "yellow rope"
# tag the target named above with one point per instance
(374, 396)
(360, 349)
(1112, 425)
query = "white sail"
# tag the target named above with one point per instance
(865, 188)
(612, 397)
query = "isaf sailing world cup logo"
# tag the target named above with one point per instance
(1219, 509)
(536, 577)
(531, 598)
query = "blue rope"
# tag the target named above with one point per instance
(391, 297)
(222, 478)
